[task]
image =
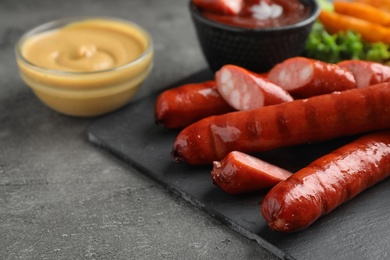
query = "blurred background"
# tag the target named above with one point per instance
(60, 196)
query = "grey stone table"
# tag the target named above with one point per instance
(63, 198)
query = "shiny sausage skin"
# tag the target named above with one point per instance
(367, 73)
(181, 106)
(329, 181)
(228, 7)
(241, 173)
(297, 122)
(303, 77)
(245, 90)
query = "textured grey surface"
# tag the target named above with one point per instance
(63, 198)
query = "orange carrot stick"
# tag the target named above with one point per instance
(384, 5)
(362, 11)
(370, 32)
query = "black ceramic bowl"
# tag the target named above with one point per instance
(257, 50)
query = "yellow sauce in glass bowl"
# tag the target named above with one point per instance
(85, 67)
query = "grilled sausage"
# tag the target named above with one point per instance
(245, 90)
(300, 121)
(241, 173)
(329, 181)
(303, 77)
(367, 73)
(181, 106)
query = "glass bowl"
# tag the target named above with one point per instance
(87, 93)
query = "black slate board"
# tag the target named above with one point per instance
(359, 229)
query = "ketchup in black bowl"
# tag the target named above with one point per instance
(254, 34)
(254, 13)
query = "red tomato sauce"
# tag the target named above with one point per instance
(292, 12)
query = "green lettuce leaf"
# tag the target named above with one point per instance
(343, 46)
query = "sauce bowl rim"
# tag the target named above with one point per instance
(314, 11)
(59, 23)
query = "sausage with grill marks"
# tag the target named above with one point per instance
(181, 106)
(301, 121)
(326, 183)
